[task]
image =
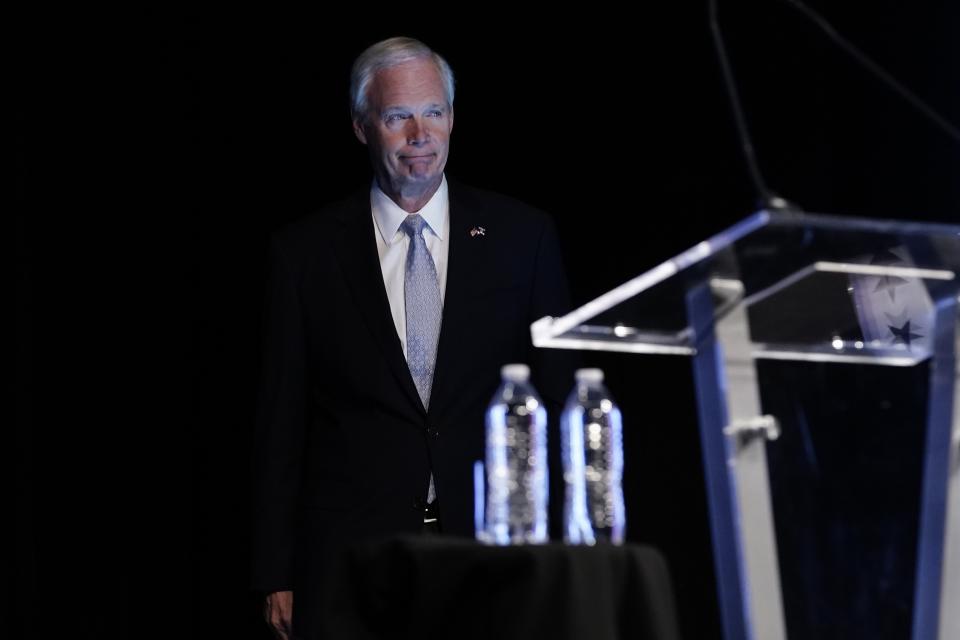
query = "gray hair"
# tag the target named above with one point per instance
(390, 53)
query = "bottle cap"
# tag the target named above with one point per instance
(515, 372)
(589, 376)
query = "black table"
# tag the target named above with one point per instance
(430, 587)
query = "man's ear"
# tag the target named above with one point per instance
(358, 130)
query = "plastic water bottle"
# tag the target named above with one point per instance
(592, 449)
(516, 462)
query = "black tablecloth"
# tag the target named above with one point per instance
(423, 587)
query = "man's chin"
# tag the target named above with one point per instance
(422, 171)
(420, 180)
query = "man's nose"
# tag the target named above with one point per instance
(416, 133)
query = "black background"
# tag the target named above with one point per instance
(155, 153)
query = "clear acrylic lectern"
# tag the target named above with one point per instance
(808, 288)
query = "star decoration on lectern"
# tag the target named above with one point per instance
(903, 334)
(888, 283)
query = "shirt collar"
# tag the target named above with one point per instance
(388, 216)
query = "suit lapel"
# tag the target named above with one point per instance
(466, 255)
(356, 251)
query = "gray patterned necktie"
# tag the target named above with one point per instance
(421, 297)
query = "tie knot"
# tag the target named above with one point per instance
(413, 225)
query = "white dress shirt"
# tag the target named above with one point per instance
(392, 245)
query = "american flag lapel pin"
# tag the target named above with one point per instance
(477, 231)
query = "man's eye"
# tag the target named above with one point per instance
(435, 114)
(394, 117)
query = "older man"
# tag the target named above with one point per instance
(388, 317)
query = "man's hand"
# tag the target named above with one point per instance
(278, 611)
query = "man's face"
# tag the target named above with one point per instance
(407, 126)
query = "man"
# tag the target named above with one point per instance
(388, 318)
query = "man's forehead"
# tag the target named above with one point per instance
(414, 67)
(418, 81)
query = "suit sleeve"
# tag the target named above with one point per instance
(280, 429)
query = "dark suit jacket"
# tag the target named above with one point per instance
(344, 448)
